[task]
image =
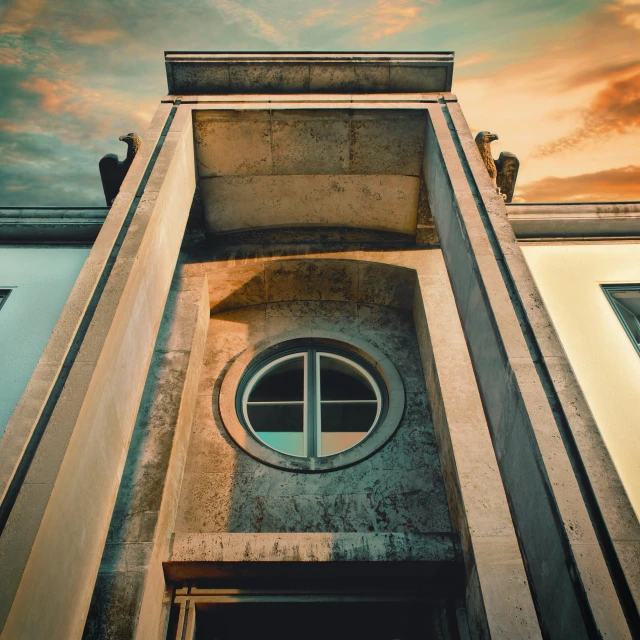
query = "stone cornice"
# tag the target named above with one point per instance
(51, 224)
(530, 222)
(580, 220)
(306, 72)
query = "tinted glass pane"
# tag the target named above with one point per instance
(276, 417)
(337, 442)
(284, 382)
(349, 418)
(628, 304)
(340, 381)
(291, 443)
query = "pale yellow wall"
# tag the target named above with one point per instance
(604, 360)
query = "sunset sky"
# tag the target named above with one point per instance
(558, 81)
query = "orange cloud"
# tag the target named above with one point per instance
(628, 12)
(95, 37)
(615, 109)
(317, 15)
(20, 16)
(472, 60)
(106, 111)
(10, 57)
(609, 185)
(57, 96)
(389, 17)
(9, 126)
(573, 100)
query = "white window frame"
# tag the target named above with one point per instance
(609, 290)
(312, 398)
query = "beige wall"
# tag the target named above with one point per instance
(604, 360)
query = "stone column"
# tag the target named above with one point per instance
(573, 590)
(67, 497)
(498, 600)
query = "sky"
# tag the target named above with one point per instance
(557, 80)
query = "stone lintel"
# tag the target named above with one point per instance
(51, 224)
(317, 98)
(313, 547)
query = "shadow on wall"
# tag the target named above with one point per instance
(397, 490)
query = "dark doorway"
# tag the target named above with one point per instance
(382, 620)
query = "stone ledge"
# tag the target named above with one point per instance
(314, 547)
(225, 73)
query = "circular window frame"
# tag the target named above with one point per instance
(250, 361)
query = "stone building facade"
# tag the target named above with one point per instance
(329, 211)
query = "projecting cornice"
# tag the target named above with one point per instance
(51, 224)
(251, 73)
(530, 222)
(580, 220)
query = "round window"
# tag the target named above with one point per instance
(311, 403)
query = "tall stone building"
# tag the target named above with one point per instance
(299, 380)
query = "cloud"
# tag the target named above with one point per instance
(104, 108)
(609, 185)
(10, 57)
(570, 105)
(317, 15)
(96, 36)
(41, 169)
(57, 95)
(20, 16)
(473, 60)
(627, 11)
(615, 110)
(387, 18)
(251, 20)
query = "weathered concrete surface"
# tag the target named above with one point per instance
(246, 73)
(398, 489)
(256, 297)
(127, 598)
(76, 471)
(572, 587)
(498, 599)
(357, 168)
(384, 202)
(314, 547)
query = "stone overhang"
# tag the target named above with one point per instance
(310, 167)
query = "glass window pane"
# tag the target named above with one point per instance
(291, 443)
(285, 382)
(279, 426)
(628, 305)
(276, 417)
(348, 418)
(341, 381)
(336, 442)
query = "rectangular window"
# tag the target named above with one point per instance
(4, 294)
(625, 299)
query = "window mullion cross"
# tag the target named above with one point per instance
(311, 404)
